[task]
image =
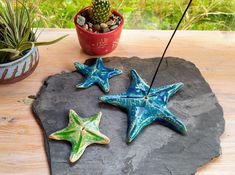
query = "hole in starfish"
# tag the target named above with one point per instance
(146, 98)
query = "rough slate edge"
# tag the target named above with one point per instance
(45, 136)
(148, 79)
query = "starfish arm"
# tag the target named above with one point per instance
(82, 68)
(74, 118)
(86, 84)
(63, 134)
(138, 86)
(172, 121)
(93, 134)
(99, 63)
(121, 100)
(93, 121)
(104, 84)
(109, 72)
(138, 119)
(78, 148)
(69, 132)
(167, 91)
(114, 72)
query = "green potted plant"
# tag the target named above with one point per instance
(99, 28)
(18, 42)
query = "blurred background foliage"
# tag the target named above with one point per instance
(143, 14)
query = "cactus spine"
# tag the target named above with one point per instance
(101, 11)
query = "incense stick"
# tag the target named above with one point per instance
(163, 55)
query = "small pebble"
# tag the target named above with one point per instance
(85, 26)
(90, 25)
(103, 25)
(119, 21)
(113, 27)
(110, 23)
(106, 30)
(96, 27)
(81, 20)
(115, 18)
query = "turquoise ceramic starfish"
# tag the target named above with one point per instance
(96, 74)
(145, 109)
(81, 132)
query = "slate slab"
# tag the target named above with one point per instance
(157, 150)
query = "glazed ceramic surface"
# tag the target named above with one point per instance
(96, 74)
(81, 132)
(19, 69)
(157, 150)
(145, 109)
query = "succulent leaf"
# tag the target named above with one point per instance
(17, 35)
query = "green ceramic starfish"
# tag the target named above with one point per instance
(96, 74)
(81, 132)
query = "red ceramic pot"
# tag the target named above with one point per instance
(98, 43)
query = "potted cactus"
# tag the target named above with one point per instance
(98, 28)
(18, 42)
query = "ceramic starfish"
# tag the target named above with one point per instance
(81, 132)
(96, 74)
(145, 109)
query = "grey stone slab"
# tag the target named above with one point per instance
(158, 150)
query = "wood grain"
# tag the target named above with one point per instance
(21, 141)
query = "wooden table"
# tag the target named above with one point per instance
(21, 140)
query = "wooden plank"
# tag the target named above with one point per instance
(21, 142)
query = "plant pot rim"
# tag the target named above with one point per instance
(20, 59)
(95, 34)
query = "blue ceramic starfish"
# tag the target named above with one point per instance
(96, 74)
(145, 109)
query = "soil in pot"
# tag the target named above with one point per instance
(86, 23)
